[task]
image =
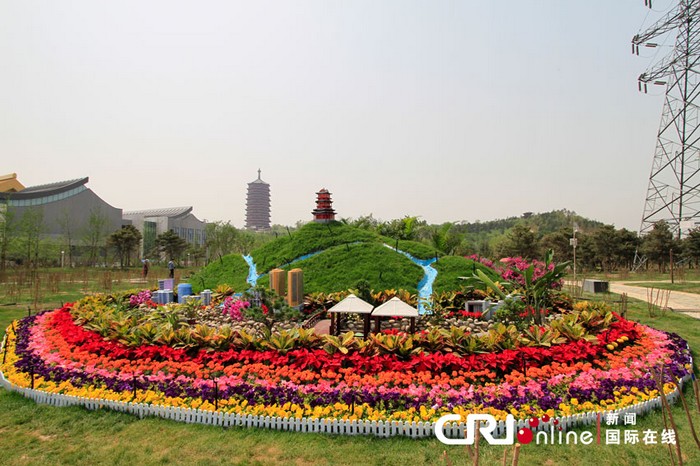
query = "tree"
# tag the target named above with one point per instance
(691, 246)
(31, 226)
(558, 241)
(366, 222)
(628, 242)
(403, 229)
(657, 244)
(519, 241)
(170, 244)
(444, 238)
(221, 239)
(94, 233)
(605, 247)
(66, 223)
(125, 241)
(7, 229)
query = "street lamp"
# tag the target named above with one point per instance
(574, 242)
(63, 256)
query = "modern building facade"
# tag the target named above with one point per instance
(257, 212)
(154, 222)
(63, 208)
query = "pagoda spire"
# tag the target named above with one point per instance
(259, 174)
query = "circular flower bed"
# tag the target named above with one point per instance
(589, 361)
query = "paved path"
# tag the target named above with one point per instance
(678, 301)
(323, 327)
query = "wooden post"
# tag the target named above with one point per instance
(366, 327)
(216, 395)
(667, 410)
(377, 325)
(697, 392)
(687, 413)
(516, 454)
(413, 325)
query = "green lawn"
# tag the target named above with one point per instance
(686, 287)
(35, 434)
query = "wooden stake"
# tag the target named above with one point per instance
(4, 354)
(516, 454)
(687, 413)
(447, 458)
(660, 383)
(505, 457)
(468, 448)
(697, 393)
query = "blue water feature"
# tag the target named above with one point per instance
(253, 275)
(252, 271)
(425, 287)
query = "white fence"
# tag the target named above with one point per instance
(314, 425)
(326, 426)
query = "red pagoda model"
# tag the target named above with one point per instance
(323, 213)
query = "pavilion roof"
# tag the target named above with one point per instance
(352, 304)
(395, 307)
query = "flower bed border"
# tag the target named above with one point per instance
(315, 425)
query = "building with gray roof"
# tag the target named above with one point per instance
(153, 222)
(62, 205)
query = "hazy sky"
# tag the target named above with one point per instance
(449, 110)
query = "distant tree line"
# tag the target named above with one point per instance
(600, 247)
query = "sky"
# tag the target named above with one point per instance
(446, 110)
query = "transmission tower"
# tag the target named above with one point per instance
(674, 184)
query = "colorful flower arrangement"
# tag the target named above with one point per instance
(142, 297)
(464, 314)
(234, 307)
(512, 268)
(349, 379)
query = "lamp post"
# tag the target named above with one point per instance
(63, 256)
(574, 242)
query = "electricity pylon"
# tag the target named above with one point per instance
(674, 182)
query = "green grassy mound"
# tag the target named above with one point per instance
(341, 267)
(230, 270)
(450, 268)
(384, 269)
(312, 237)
